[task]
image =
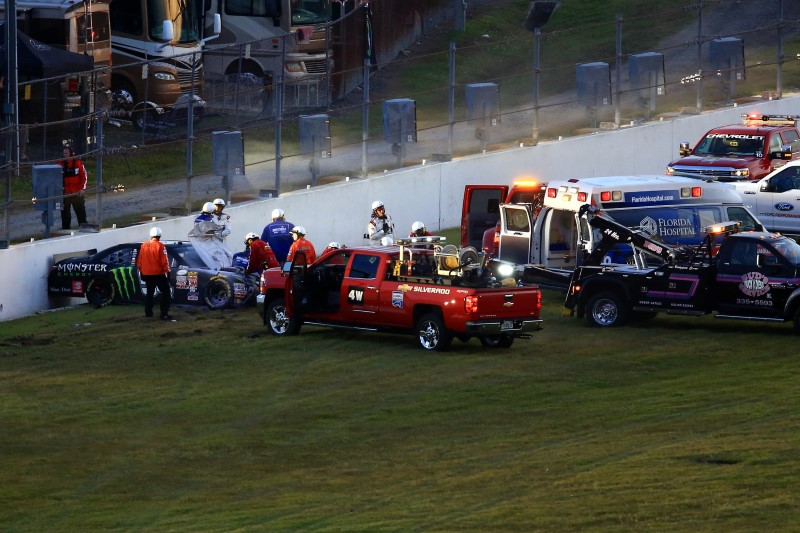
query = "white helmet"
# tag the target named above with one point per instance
(300, 230)
(208, 207)
(219, 201)
(376, 204)
(155, 232)
(277, 213)
(387, 241)
(418, 226)
(333, 245)
(249, 237)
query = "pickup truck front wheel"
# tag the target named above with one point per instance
(432, 333)
(606, 310)
(278, 322)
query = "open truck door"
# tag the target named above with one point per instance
(516, 231)
(297, 285)
(480, 211)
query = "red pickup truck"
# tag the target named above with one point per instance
(421, 287)
(740, 152)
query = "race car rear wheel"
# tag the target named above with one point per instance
(219, 294)
(432, 334)
(278, 322)
(100, 292)
(497, 341)
(606, 310)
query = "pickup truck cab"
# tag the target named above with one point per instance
(421, 287)
(775, 199)
(740, 152)
(751, 275)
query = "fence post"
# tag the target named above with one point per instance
(190, 141)
(779, 82)
(365, 121)
(278, 125)
(700, 56)
(98, 133)
(537, 36)
(451, 104)
(618, 67)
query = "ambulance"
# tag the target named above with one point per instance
(672, 209)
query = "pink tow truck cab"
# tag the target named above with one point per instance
(741, 152)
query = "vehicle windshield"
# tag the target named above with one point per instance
(731, 144)
(311, 12)
(789, 249)
(184, 15)
(188, 255)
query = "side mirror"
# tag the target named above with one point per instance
(167, 31)
(217, 24)
(683, 149)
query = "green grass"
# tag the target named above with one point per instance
(110, 421)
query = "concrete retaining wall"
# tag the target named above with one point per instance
(431, 193)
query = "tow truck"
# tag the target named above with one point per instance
(740, 152)
(751, 275)
(421, 285)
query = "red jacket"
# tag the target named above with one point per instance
(260, 254)
(152, 259)
(303, 245)
(75, 177)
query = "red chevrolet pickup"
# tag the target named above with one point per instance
(421, 287)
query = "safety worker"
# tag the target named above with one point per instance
(278, 234)
(333, 245)
(418, 229)
(75, 180)
(380, 225)
(261, 255)
(153, 265)
(223, 220)
(301, 244)
(205, 213)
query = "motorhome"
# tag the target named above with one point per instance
(157, 53)
(674, 210)
(263, 38)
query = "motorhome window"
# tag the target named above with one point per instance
(99, 28)
(747, 220)
(54, 32)
(126, 17)
(248, 8)
(184, 17)
(311, 11)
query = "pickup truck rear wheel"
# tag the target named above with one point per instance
(432, 333)
(278, 322)
(606, 310)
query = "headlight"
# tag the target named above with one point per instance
(294, 66)
(670, 170)
(742, 172)
(164, 76)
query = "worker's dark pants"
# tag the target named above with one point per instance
(151, 282)
(76, 202)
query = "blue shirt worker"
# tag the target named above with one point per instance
(278, 235)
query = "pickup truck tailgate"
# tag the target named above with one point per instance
(516, 303)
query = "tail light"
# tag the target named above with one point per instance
(538, 302)
(72, 85)
(471, 304)
(262, 285)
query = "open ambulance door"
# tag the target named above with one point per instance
(515, 233)
(480, 211)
